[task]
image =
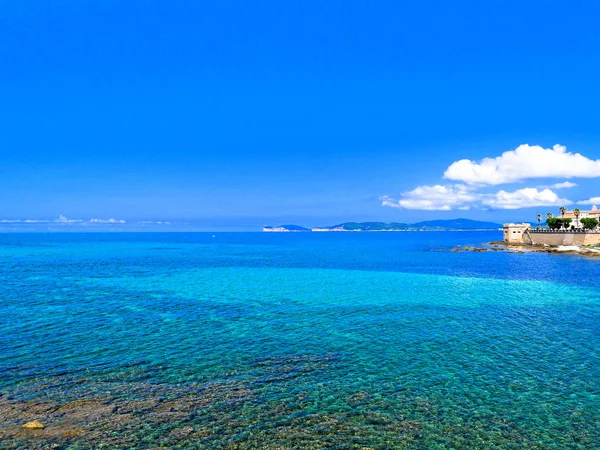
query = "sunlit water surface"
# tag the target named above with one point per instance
(298, 340)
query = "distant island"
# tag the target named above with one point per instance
(428, 225)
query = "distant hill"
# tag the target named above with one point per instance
(294, 228)
(370, 226)
(283, 228)
(454, 224)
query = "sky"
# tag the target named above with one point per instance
(232, 115)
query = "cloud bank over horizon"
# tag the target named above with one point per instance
(62, 220)
(526, 162)
(461, 197)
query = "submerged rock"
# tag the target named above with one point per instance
(469, 248)
(35, 425)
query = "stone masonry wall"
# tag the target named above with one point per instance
(561, 238)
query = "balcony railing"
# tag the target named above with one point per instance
(562, 231)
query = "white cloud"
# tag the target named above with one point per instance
(150, 222)
(523, 198)
(106, 221)
(564, 185)
(525, 162)
(461, 197)
(60, 219)
(63, 219)
(433, 198)
(589, 201)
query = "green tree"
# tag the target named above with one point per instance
(566, 223)
(554, 223)
(589, 223)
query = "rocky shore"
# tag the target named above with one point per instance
(527, 248)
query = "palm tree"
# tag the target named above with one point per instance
(562, 210)
(549, 215)
(539, 217)
(576, 214)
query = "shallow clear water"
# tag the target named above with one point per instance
(333, 340)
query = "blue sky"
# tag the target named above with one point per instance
(232, 114)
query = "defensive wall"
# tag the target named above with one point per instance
(522, 233)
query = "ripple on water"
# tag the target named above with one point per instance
(178, 345)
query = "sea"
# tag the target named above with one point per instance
(391, 340)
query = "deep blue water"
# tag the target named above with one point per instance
(296, 340)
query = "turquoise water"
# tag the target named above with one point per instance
(336, 340)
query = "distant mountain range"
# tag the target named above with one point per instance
(458, 224)
(429, 225)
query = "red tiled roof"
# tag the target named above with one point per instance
(593, 211)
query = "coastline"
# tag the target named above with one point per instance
(495, 246)
(408, 230)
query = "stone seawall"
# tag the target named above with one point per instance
(556, 239)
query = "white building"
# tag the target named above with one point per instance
(593, 213)
(513, 232)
